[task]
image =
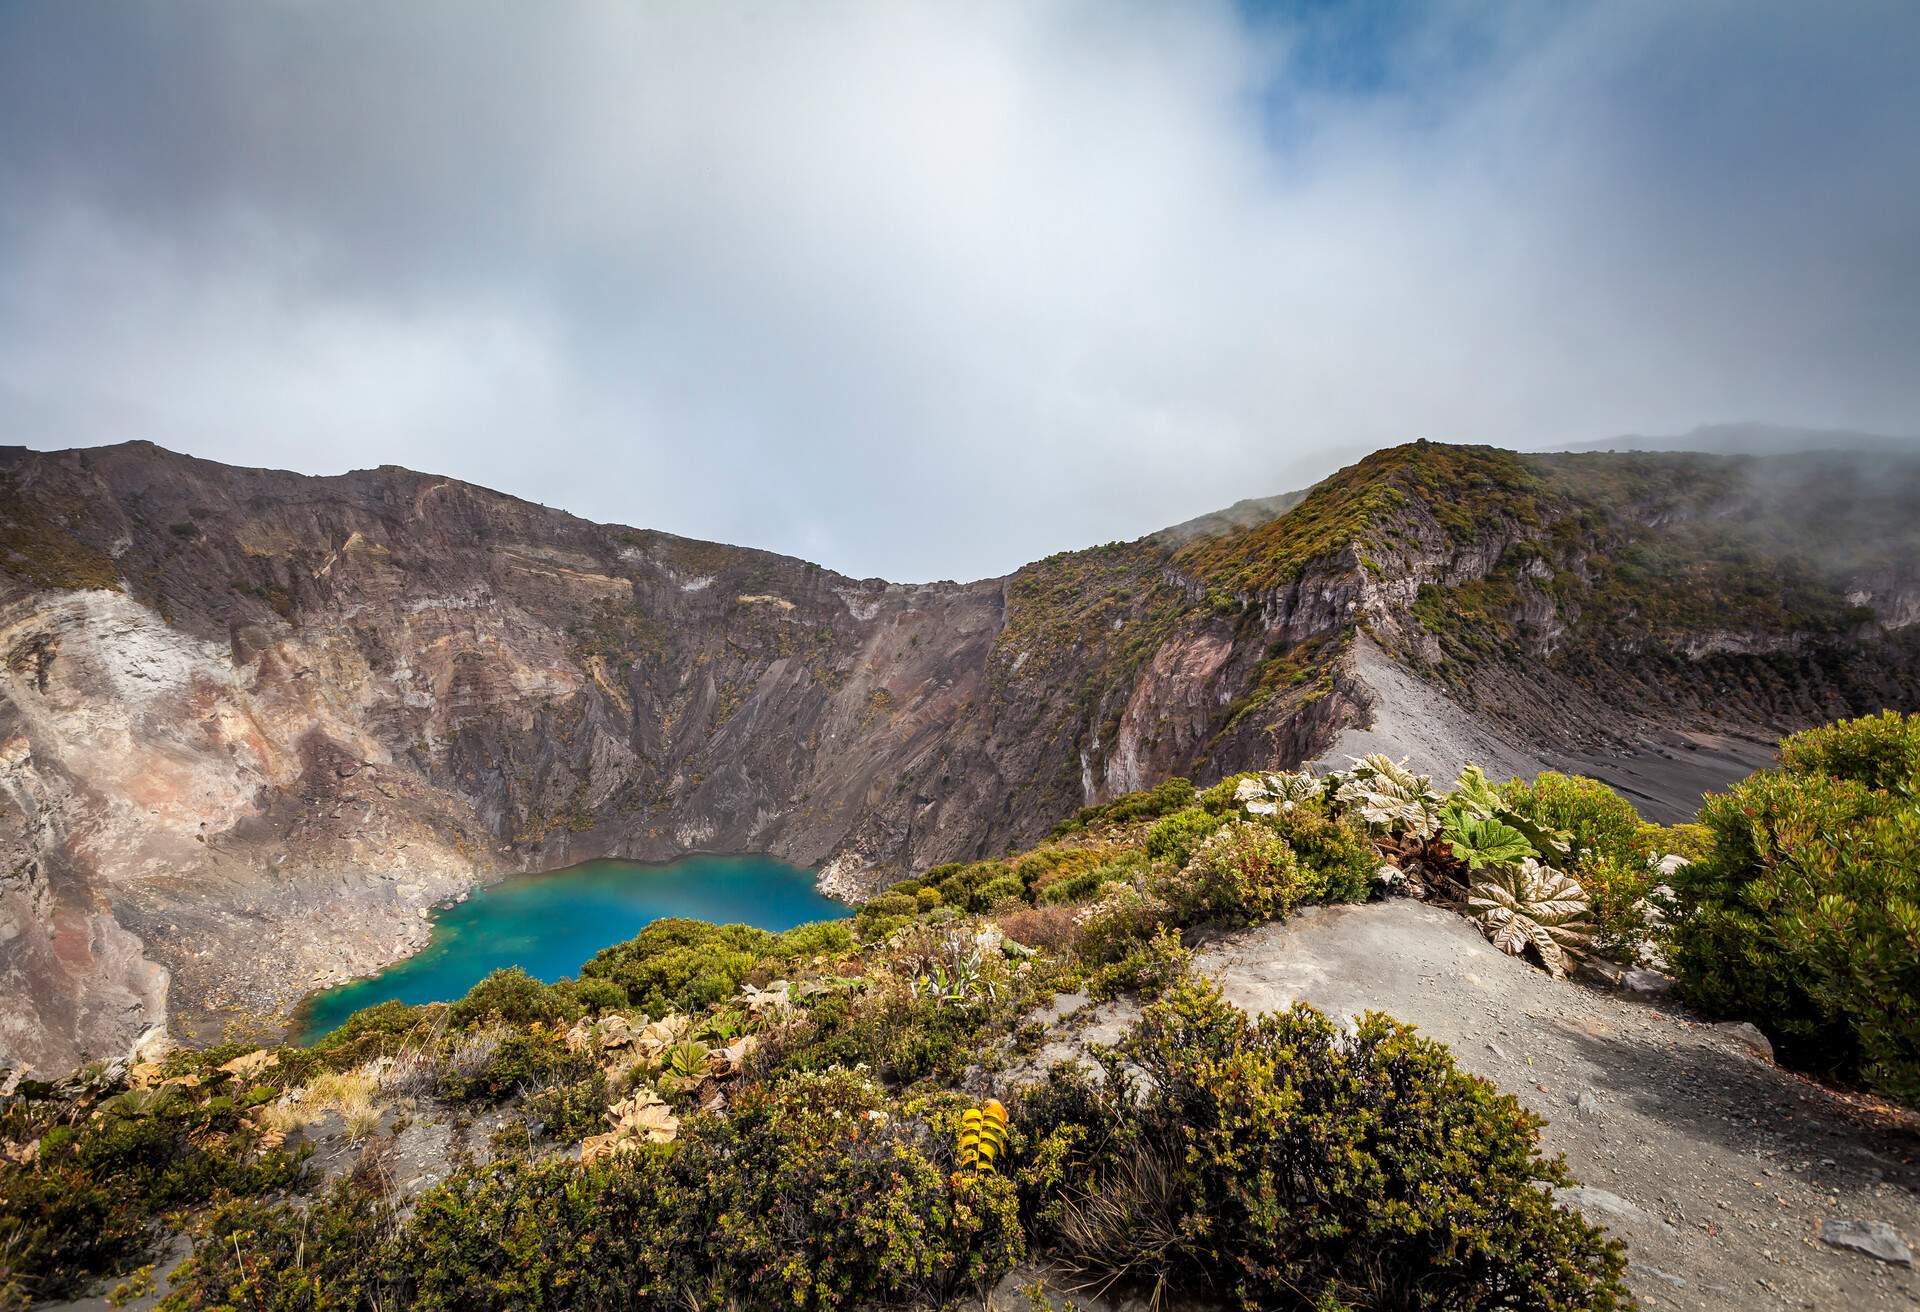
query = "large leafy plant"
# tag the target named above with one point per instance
(1532, 906)
(1390, 797)
(1483, 844)
(1475, 795)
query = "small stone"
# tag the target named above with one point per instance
(1876, 1239)
(1587, 1200)
(1748, 1036)
(1586, 1102)
(1647, 983)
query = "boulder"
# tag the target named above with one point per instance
(1876, 1239)
(1748, 1036)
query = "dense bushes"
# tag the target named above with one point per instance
(1336, 849)
(1599, 822)
(1881, 752)
(806, 1154)
(1242, 873)
(675, 964)
(1805, 915)
(1163, 799)
(1277, 1163)
(820, 1191)
(109, 1166)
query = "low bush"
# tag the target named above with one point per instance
(87, 1205)
(570, 1110)
(1279, 1163)
(1336, 849)
(1602, 823)
(1081, 884)
(331, 1256)
(885, 912)
(1242, 873)
(683, 965)
(1124, 917)
(1805, 916)
(1881, 752)
(1173, 839)
(1162, 799)
(513, 997)
(817, 1192)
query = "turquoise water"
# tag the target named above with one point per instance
(550, 924)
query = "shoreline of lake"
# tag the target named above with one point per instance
(551, 923)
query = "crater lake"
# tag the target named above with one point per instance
(550, 924)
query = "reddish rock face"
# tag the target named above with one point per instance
(253, 723)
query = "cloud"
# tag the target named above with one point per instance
(925, 290)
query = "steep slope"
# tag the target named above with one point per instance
(252, 724)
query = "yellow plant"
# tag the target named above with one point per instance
(983, 1136)
(351, 1093)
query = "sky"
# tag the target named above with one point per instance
(928, 290)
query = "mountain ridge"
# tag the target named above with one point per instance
(254, 723)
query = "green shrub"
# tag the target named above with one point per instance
(525, 1059)
(1336, 849)
(86, 1207)
(1044, 867)
(1146, 966)
(1082, 884)
(1617, 905)
(1173, 839)
(1881, 752)
(1124, 917)
(1222, 798)
(278, 1257)
(514, 997)
(804, 942)
(883, 913)
(570, 1110)
(1690, 842)
(1602, 823)
(1162, 799)
(520, 1237)
(1241, 874)
(598, 996)
(370, 1032)
(1805, 916)
(904, 1037)
(681, 965)
(1007, 888)
(1280, 1163)
(832, 1198)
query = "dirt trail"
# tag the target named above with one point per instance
(1717, 1168)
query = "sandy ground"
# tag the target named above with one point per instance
(1664, 776)
(1414, 720)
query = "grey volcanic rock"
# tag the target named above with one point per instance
(1876, 1239)
(253, 724)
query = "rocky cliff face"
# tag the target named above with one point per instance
(253, 724)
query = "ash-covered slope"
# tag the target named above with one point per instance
(253, 723)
